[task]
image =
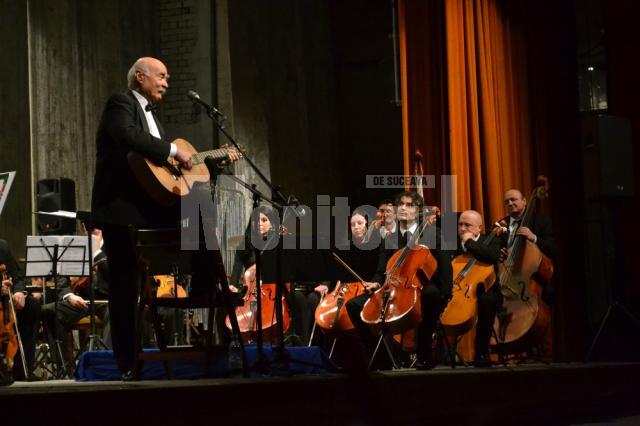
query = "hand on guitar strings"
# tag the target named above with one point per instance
(184, 159)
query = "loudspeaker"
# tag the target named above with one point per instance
(53, 195)
(608, 157)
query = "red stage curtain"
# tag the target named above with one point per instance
(465, 99)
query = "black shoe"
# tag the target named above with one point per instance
(129, 376)
(423, 365)
(482, 361)
(6, 379)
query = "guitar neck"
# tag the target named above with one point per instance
(216, 154)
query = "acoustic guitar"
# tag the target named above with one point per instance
(167, 182)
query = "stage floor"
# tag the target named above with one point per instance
(556, 394)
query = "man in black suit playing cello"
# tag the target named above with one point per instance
(471, 239)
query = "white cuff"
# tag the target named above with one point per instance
(66, 296)
(174, 150)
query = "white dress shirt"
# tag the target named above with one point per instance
(151, 121)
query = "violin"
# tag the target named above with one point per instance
(522, 275)
(246, 314)
(461, 313)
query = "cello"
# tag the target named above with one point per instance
(395, 307)
(461, 313)
(329, 314)
(407, 339)
(247, 313)
(526, 317)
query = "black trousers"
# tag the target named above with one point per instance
(313, 300)
(60, 322)
(488, 304)
(297, 301)
(433, 303)
(28, 324)
(354, 307)
(125, 285)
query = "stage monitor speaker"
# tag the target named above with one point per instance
(53, 195)
(608, 157)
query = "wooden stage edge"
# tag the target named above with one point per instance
(555, 394)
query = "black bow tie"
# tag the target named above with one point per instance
(151, 107)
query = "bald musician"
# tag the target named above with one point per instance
(540, 231)
(472, 238)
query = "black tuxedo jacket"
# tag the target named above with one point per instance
(487, 251)
(541, 226)
(117, 196)
(13, 270)
(442, 278)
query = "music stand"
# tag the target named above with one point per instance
(56, 256)
(84, 217)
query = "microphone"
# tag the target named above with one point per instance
(298, 210)
(196, 98)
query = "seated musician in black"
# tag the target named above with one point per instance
(74, 299)
(539, 232)
(245, 255)
(245, 258)
(27, 313)
(408, 206)
(472, 240)
(360, 252)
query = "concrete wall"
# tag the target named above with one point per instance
(186, 41)
(311, 86)
(80, 54)
(66, 58)
(15, 221)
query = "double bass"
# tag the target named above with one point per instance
(247, 313)
(526, 317)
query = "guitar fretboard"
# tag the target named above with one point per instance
(216, 154)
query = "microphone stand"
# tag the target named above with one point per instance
(277, 200)
(261, 363)
(95, 342)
